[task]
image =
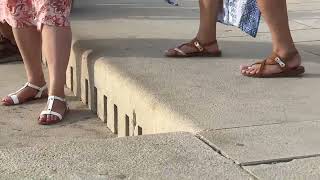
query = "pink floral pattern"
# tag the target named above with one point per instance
(22, 13)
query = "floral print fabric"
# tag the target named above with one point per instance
(21, 13)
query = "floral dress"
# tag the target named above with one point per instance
(22, 13)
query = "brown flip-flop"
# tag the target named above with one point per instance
(276, 60)
(201, 50)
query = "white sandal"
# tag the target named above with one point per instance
(49, 111)
(39, 95)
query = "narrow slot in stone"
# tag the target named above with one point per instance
(71, 78)
(115, 110)
(127, 125)
(139, 131)
(95, 98)
(105, 108)
(87, 91)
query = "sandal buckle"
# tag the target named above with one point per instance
(197, 44)
(280, 62)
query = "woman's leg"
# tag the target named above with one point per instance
(276, 16)
(56, 47)
(207, 29)
(29, 42)
(208, 20)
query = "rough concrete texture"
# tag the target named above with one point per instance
(19, 123)
(166, 156)
(265, 144)
(81, 147)
(299, 169)
(118, 49)
(126, 65)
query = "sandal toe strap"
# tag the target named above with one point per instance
(52, 113)
(15, 99)
(180, 51)
(195, 43)
(261, 67)
(49, 111)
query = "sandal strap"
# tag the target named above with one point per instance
(277, 60)
(36, 87)
(51, 100)
(14, 96)
(15, 99)
(180, 51)
(200, 46)
(52, 113)
(195, 43)
(40, 90)
(49, 111)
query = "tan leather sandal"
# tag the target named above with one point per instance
(276, 60)
(196, 44)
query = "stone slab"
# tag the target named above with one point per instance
(298, 169)
(199, 92)
(267, 144)
(311, 47)
(165, 156)
(210, 93)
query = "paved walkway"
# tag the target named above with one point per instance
(242, 128)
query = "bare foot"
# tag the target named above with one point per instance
(253, 70)
(26, 94)
(58, 107)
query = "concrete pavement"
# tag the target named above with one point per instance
(81, 147)
(118, 68)
(245, 128)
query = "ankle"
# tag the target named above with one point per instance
(37, 82)
(285, 51)
(206, 37)
(60, 93)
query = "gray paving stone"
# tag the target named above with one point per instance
(311, 47)
(263, 144)
(308, 168)
(294, 25)
(165, 156)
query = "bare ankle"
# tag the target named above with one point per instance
(57, 93)
(37, 82)
(285, 51)
(206, 37)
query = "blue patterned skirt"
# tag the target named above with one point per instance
(243, 14)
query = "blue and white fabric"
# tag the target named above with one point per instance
(243, 14)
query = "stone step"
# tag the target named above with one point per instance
(117, 68)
